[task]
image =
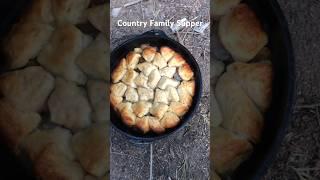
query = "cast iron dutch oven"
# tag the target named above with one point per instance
(156, 38)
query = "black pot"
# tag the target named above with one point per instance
(155, 38)
(279, 114)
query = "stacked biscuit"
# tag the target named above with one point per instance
(242, 90)
(152, 90)
(53, 106)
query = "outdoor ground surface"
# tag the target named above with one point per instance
(184, 155)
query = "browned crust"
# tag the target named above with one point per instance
(141, 108)
(156, 126)
(228, 150)
(185, 97)
(245, 36)
(189, 86)
(52, 165)
(91, 149)
(159, 61)
(148, 54)
(132, 60)
(177, 61)
(15, 125)
(129, 77)
(256, 80)
(185, 72)
(143, 124)
(118, 89)
(158, 110)
(178, 108)
(119, 71)
(115, 100)
(170, 120)
(167, 53)
(128, 117)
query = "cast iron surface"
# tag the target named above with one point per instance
(279, 114)
(155, 38)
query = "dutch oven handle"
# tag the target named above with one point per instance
(156, 32)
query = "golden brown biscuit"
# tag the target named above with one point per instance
(161, 96)
(138, 50)
(127, 115)
(159, 61)
(25, 41)
(176, 61)
(119, 72)
(154, 78)
(132, 60)
(155, 125)
(228, 150)
(146, 68)
(141, 108)
(256, 80)
(143, 124)
(52, 164)
(159, 109)
(148, 54)
(165, 82)
(93, 59)
(184, 96)
(178, 108)
(66, 99)
(90, 147)
(239, 112)
(118, 89)
(27, 89)
(189, 86)
(169, 120)
(145, 94)
(115, 100)
(185, 72)
(131, 95)
(123, 105)
(173, 94)
(167, 53)
(59, 55)
(241, 33)
(16, 124)
(129, 78)
(141, 81)
(57, 138)
(168, 72)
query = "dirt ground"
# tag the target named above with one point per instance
(299, 157)
(185, 155)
